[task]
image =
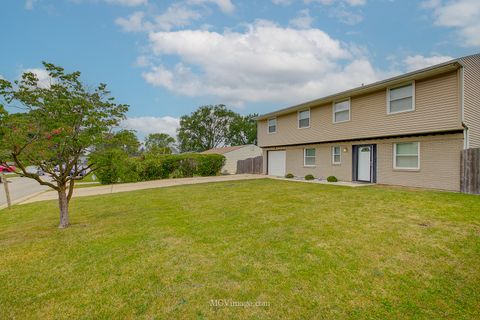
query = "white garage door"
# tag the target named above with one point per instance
(276, 163)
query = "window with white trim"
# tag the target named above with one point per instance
(341, 111)
(336, 155)
(272, 125)
(309, 157)
(304, 119)
(406, 155)
(401, 98)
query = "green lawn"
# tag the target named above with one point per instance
(306, 250)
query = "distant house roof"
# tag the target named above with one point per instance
(223, 150)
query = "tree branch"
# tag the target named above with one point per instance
(31, 175)
(70, 189)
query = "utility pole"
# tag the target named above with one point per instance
(7, 192)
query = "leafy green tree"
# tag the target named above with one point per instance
(243, 130)
(57, 124)
(159, 143)
(125, 140)
(205, 128)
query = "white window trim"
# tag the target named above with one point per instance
(305, 156)
(395, 156)
(349, 110)
(268, 126)
(309, 118)
(333, 155)
(397, 86)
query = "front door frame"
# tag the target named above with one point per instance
(373, 162)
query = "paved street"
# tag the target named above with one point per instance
(20, 188)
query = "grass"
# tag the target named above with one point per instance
(89, 178)
(88, 181)
(305, 250)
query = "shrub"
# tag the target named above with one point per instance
(289, 176)
(309, 177)
(116, 166)
(332, 179)
(210, 164)
(153, 169)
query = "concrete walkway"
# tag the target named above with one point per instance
(124, 187)
(338, 183)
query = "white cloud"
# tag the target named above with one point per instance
(356, 2)
(265, 63)
(463, 15)
(419, 62)
(225, 5)
(282, 2)
(352, 3)
(133, 23)
(303, 20)
(29, 4)
(345, 16)
(143, 61)
(129, 3)
(342, 10)
(147, 125)
(175, 16)
(44, 79)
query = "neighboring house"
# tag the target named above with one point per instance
(408, 130)
(235, 153)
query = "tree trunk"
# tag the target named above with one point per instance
(63, 206)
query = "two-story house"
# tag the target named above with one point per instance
(408, 130)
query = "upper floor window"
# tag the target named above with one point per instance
(336, 155)
(341, 111)
(272, 125)
(401, 98)
(309, 157)
(304, 119)
(406, 155)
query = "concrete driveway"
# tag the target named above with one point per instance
(20, 190)
(124, 187)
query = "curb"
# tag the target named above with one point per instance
(19, 201)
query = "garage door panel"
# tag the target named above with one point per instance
(277, 163)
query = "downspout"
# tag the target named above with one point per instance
(462, 106)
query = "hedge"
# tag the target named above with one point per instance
(116, 168)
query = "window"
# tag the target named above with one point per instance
(336, 155)
(309, 157)
(406, 155)
(401, 99)
(272, 125)
(304, 119)
(341, 111)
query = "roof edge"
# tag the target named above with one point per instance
(432, 70)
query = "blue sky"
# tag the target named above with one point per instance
(166, 58)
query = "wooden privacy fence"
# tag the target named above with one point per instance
(250, 165)
(470, 171)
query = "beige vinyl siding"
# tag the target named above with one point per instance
(439, 162)
(437, 108)
(231, 158)
(472, 98)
